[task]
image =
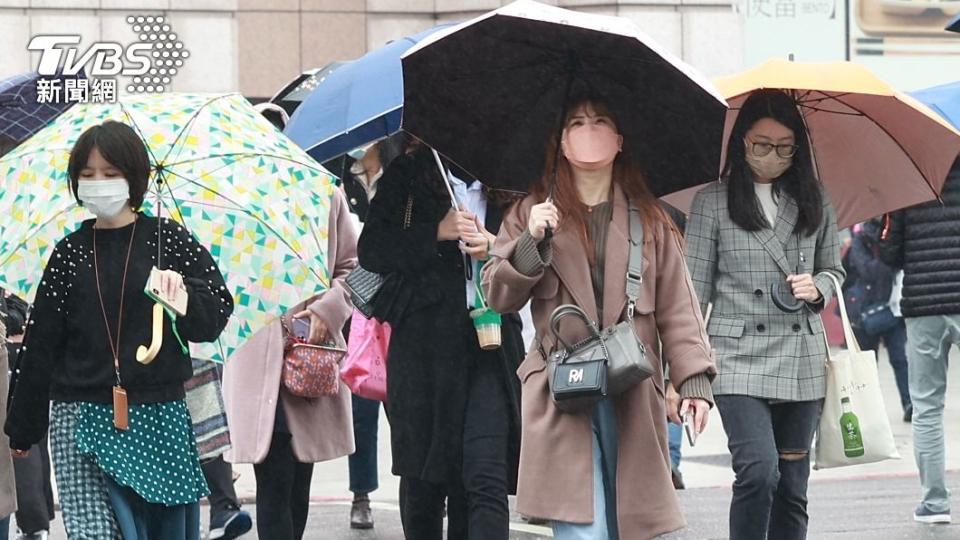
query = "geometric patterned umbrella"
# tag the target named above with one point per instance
(250, 195)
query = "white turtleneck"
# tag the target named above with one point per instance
(767, 201)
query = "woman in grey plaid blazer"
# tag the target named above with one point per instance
(770, 363)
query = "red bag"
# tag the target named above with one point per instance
(310, 371)
(365, 367)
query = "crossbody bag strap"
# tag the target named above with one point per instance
(635, 264)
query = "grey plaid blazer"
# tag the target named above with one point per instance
(761, 351)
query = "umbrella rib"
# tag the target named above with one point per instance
(841, 113)
(241, 209)
(892, 138)
(244, 155)
(813, 155)
(189, 124)
(143, 138)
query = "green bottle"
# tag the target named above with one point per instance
(850, 427)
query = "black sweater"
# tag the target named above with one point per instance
(66, 354)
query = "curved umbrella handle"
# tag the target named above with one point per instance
(146, 355)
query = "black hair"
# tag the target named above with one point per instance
(799, 181)
(120, 146)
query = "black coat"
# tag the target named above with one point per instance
(356, 196)
(924, 240)
(433, 343)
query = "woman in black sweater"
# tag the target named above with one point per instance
(80, 351)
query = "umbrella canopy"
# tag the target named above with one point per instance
(21, 115)
(358, 102)
(954, 24)
(292, 95)
(255, 199)
(944, 99)
(875, 149)
(488, 93)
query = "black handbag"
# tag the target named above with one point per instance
(577, 374)
(364, 286)
(608, 362)
(878, 319)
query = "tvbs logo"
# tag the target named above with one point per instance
(107, 58)
(151, 62)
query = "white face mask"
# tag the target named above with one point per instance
(104, 198)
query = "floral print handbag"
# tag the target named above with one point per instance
(310, 371)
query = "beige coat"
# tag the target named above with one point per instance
(322, 428)
(556, 470)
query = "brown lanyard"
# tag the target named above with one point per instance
(114, 344)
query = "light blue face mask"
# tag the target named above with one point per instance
(358, 153)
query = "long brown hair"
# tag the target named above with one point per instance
(627, 173)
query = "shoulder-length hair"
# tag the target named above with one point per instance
(627, 173)
(799, 181)
(121, 147)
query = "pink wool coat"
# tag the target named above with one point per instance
(556, 467)
(322, 429)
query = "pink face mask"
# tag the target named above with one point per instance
(591, 147)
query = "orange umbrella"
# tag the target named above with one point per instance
(874, 148)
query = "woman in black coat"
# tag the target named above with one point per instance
(453, 408)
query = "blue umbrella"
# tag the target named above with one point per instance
(20, 114)
(944, 99)
(359, 102)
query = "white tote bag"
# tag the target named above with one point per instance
(854, 428)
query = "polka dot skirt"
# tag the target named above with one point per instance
(157, 457)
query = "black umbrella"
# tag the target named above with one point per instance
(488, 93)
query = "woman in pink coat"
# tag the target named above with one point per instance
(283, 435)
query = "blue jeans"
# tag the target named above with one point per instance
(895, 340)
(363, 463)
(770, 446)
(605, 442)
(675, 434)
(930, 339)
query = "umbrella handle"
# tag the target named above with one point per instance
(146, 355)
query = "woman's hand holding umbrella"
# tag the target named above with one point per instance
(543, 216)
(477, 240)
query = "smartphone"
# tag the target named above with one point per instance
(178, 303)
(300, 328)
(690, 429)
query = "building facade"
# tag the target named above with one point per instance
(257, 46)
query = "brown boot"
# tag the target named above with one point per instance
(361, 517)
